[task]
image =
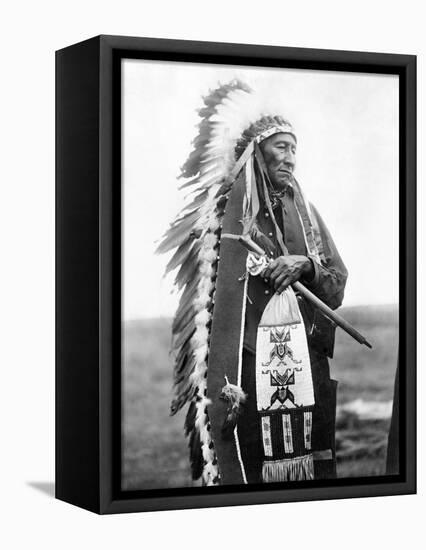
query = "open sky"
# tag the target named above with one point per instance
(347, 164)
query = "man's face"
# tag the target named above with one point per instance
(279, 152)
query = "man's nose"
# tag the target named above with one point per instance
(289, 158)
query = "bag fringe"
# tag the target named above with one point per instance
(288, 469)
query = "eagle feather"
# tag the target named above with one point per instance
(195, 237)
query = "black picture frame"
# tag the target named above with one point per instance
(88, 272)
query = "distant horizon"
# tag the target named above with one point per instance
(343, 307)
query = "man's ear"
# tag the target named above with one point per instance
(260, 159)
(259, 154)
(261, 146)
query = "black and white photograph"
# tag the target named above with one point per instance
(213, 248)
(260, 275)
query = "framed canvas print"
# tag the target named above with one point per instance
(235, 274)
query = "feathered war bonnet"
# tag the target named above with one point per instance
(232, 125)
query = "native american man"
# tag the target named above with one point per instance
(250, 354)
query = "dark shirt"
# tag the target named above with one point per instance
(328, 281)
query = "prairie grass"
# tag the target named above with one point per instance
(154, 449)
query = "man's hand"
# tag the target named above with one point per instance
(286, 270)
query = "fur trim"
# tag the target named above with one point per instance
(233, 393)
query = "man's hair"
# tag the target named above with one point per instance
(261, 125)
